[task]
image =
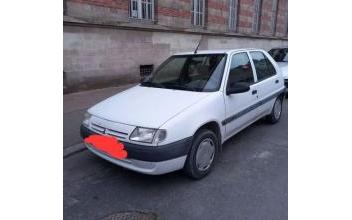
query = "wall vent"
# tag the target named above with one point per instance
(146, 70)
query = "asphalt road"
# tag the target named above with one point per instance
(249, 181)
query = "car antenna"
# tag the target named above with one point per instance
(195, 51)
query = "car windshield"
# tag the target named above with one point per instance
(279, 55)
(196, 72)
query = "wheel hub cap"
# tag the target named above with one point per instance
(205, 154)
(277, 108)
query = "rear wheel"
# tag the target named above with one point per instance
(201, 157)
(275, 114)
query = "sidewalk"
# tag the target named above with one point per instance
(75, 105)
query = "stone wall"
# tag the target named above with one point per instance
(98, 57)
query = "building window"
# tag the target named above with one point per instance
(65, 7)
(142, 9)
(286, 21)
(257, 15)
(198, 12)
(233, 15)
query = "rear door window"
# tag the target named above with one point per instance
(263, 66)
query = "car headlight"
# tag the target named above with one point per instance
(148, 135)
(86, 119)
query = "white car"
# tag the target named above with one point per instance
(280, 55)
(179, 117)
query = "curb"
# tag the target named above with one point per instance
(69, 151)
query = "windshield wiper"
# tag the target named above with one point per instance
(180, 87)
(152, 84)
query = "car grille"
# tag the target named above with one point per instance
(102, 130)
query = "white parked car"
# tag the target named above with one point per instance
(179, 117)
(280, 55)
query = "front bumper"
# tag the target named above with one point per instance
(146, 159)
(146, 167)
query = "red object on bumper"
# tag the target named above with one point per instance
(109, 145)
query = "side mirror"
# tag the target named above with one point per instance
(234, 88)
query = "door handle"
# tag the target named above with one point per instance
(277, 81)
(254, 92)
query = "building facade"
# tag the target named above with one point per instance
(114, 42)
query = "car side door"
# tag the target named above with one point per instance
(238, 105)
(268, 82)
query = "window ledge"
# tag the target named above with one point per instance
(152, 26)
(141, 21)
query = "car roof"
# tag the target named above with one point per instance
(227, 51)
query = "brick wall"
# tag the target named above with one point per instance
(266, 17)
(218, 15)
(99, 10)
(118, 4)
(281, 25)
(245, 15)
(177, 13)
(173, 13)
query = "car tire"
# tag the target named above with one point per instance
(204, 148)
(276, 111)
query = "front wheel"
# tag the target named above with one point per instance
(202, 154)
(275, 114)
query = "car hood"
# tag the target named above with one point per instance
(145, 106)
(284, 69)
